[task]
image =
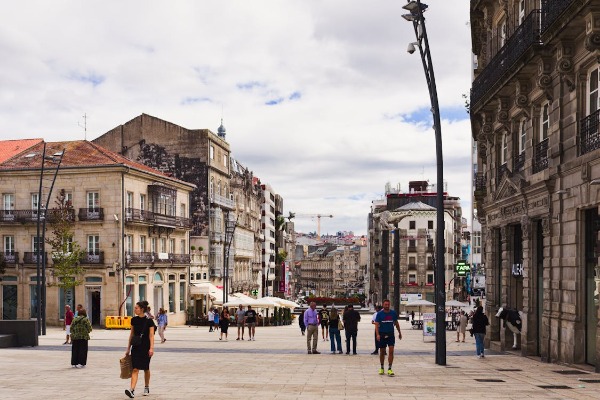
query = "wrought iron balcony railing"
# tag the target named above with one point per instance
(32, 257)
(502, 170)
(524, 37)
(93, 258)
(10, 257)
(540, 156)
(412, 249)
(590, 137)
(480, 183)
(412, 266)
(520, 162)
(133, 215)
(19, 216)
(551, 10)
(91, 214)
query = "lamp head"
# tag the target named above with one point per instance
(411, 47)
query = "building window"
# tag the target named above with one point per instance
(9, 202)
(142, 244)
(212, 152)
(429, 224)
(35, 244)
(182, 211)
(593, 91)
(545, 123)
(412, 279)
(522, 136)
(224, 160)
(33, 304)
(184, 249)
(93, 201)
(129, 291)
(171, 293)
(502, 33)
(153, 245)
(163, 245)
(142, 287)
(129, 199)
(34, 201)
(142, 202)
(521, 11)
(93, 245)
(412, 224)
(430, 278)
(504, 151)
(182, 295)
(171, 246)
(9, 245)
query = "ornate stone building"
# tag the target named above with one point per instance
(535, 117)
(130, 220)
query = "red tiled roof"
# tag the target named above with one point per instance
(78, 153)
(10, 148)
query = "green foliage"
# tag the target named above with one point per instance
(66, 253)
(280, 257)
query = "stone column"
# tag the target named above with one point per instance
(528, 332)
(505, 278)
(547, 336)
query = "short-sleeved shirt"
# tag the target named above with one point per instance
(324, 314)
(250, 316)
(69, 317)
(386, 321)
(211, 316)
(240, 316)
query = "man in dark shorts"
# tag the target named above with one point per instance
(324, 318)
(385, 321)
(250, 321)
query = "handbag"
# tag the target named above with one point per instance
(137, 340)
(126, 367)
(340, 325)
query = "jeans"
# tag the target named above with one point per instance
(479, 343)
(312, 331)
(334, 333)
(351, 335)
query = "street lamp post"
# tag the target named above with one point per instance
(416, 9)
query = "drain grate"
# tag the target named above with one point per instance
(555, 387)
(509, 370)
(490, 380)
(589, 380)
(571, 372)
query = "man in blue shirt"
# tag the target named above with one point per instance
(385, 321)
(311, 321)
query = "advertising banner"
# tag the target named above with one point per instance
(428, 325)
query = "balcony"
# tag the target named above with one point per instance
(540, 156)
(520, 161)
(133, 215)
(32, 257)
(551, 10)
(412, 267)
(524, 37)
(502, 170)
(180, 258)
(91, 214)
(222, 201)
(93, 258)
(18, 216)
(590, 138)
(141, 258)
(412, 249)
(10, 257)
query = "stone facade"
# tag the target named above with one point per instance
(135, 248)
(534, 113)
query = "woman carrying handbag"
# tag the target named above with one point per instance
(141, 345)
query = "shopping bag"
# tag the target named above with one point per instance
(126, 367)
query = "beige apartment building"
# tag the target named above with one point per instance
(131, 220)
(535, 116)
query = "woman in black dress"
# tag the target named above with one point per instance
(142, 327)
(224, 323)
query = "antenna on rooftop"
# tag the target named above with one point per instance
(84, 126)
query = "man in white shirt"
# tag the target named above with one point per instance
(211, 320)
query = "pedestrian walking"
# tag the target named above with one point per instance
(334, 331)
(462, 326)
(162, 321)
(68, 320)
(351, 319)
(377, 309)
(149, 314)
(143, 328)
(301, 323)
(224, 323)
(240, 316)
(385, 322)
(77, 308)
(324, 318)
(80, 334)
(311, 320)
(250, 322)
(480, 322)
(211, 320)
(216, 319)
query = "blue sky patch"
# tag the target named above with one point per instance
(274, 102)
(195, 100)
(91, 77)
(424, 115)
(295, 96)
(250, 85)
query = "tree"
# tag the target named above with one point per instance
(66, 253)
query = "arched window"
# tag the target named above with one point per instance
(158, 277)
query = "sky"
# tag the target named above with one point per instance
(319, 98)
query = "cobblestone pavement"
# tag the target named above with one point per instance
(194, 364)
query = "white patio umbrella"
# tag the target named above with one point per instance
(420, 303)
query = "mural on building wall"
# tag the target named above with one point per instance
(187, 169)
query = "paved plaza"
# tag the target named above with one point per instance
(194, 364)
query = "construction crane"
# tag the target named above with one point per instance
(317, 216)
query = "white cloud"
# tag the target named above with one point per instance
(320, 98)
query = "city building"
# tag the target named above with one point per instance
(535, 115)
(268, 246)
(131, 221)
(413, 214)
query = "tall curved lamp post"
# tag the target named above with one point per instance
(416, 9)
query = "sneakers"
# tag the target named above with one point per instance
(129, 393)
(381, 371)
(146, 391)
(390, 372)
(80, 366)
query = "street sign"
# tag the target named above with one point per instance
(462, 268)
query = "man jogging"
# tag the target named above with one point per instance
(385, 321)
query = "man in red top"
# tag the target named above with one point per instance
(68, 319)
